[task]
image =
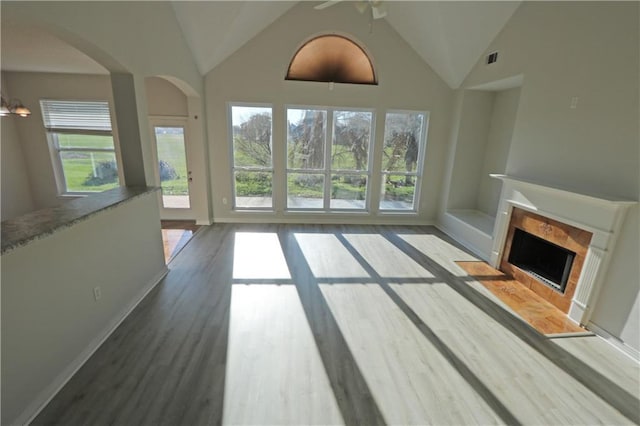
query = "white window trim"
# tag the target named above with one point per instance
(419, 173)
(327, 171)
(232, 165)
(54, 149)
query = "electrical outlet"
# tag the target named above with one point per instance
(224, 200)
(97, 293)
(574, 102)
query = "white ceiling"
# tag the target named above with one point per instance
(216, 29)
(449, 35)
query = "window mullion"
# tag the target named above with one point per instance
(328, 143)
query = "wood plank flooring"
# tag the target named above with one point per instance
(537, 312)
(311, 324)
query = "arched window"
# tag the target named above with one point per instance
(332, 58)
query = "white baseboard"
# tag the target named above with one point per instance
(462, 241)
(356, 219)
(44, 397)
(615, 342)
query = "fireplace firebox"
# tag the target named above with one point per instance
(542, 259)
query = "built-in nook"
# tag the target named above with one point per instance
(484, 119)
(545, 255)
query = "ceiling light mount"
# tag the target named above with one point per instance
(377, 8)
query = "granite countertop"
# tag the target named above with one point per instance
(38, 224)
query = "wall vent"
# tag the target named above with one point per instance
(492, 58)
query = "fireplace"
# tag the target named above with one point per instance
(545, 261)
(579, 222)
(545, 255)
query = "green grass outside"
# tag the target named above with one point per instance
(304, 185)
(79, 166)
(171, 150)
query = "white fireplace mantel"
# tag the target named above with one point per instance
(599, 214)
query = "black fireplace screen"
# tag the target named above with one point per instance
(544, 260)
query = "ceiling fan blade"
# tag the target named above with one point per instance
(326, 4)
(379, 11)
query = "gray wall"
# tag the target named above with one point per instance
(32, 87)
(163, 98)
(50, 320)
(255, 73)
(472, 124)
(505, 107)
(16, 190)
(587, 50)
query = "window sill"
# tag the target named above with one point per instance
(72, 196)
(397, 213)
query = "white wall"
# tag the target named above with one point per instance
(505, 107)
(587, 50)
(49, 316)
(16, 189)
(30, 88)
(255, 73)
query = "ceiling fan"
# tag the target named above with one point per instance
(378, 10)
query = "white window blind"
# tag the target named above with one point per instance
(76, 115)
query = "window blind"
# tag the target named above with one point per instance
(76, 115)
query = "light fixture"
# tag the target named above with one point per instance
(14, 106)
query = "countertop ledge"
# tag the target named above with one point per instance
(33, 226)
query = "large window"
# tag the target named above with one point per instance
(402, 159)
(82, 146)
(328, 164)
(252, 159)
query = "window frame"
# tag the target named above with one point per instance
(232, 163)
(328, 171)
(418, 174)
(55, 150)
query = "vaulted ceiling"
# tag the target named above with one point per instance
(449, 35)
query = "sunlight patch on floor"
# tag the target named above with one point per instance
(385, 258)
(259, 255)
(274, 373)
(328, 257)
(409, 379)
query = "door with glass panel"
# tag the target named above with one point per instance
(172, 169)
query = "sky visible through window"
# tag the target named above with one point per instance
(242, 114)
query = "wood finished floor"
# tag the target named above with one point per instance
(283, 324)
(175, 235)
(537, 312)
